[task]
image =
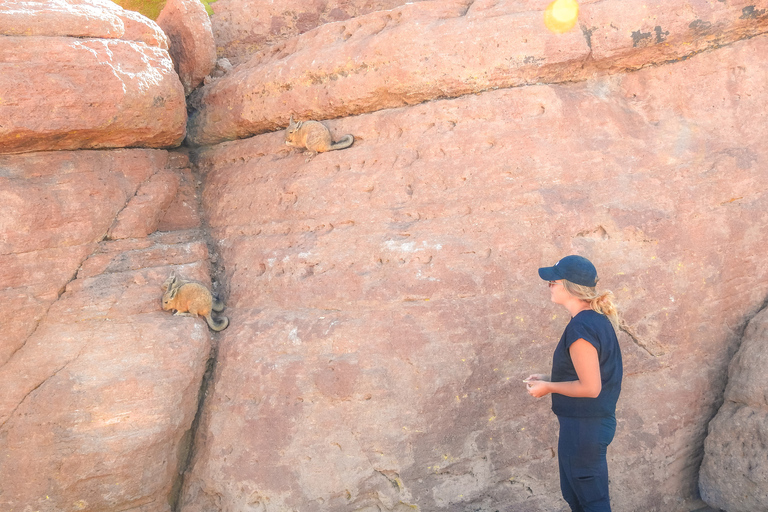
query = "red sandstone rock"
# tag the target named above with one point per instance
(98, 385)
(47, 230)
(67, 93)
(100, 395)
(377, 61)
(243, 27)
(734, 472)
(384, 298)
(427, 50)
(193, 49)
(78, 18)
(59, 18)
(385, 303)
(624, 36)
(183, 212)
(141, 28)
(48, 81)
(144, 211)
(33, 218)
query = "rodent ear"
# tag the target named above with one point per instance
(169, 282)
(172, 292)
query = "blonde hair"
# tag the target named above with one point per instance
(599, 302)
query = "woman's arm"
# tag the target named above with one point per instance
(587, 366)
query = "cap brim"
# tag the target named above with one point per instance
(549, 274)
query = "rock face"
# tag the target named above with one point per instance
(76, 76)
(734, 473)
(78, 18)
(436, 49)
(192, 46)
(98, 386)
(244, 27)
(384, 301)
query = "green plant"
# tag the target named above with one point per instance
(151, 8)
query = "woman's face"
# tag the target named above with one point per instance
(557, 292)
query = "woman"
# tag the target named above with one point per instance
(585, 382)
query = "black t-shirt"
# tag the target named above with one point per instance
(597, 330)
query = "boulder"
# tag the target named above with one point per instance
(244, 27)
(78, 18)
(437, 49)
(59, 18)
(385, 305)
(85, 74)
(98, 385)
(63, 93)
(734, 472)
(141, 28)
(192, 47)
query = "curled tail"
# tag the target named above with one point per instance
(343, 142)
(217, 325)
(218, 304)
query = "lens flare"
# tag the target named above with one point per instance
(561, 15)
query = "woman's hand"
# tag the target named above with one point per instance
(537, 384)
(538, 388)
(538, 376)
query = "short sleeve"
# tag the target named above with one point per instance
(578, 330)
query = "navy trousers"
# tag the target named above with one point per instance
(581, 450)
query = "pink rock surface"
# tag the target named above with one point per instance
(184, 211)
(78, 18)
(95, 404)
(67, 93)
(384, 301)
(192, 47)
(243, 27)
(144, 211)
(89, 75)
(734, 472)
(41, 206)
(58, 18)
(141, 28)
(427, 50)
(98, 385)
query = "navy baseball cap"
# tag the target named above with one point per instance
(575, 269)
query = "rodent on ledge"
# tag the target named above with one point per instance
(314, 136)
(189, 298)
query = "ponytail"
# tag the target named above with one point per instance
(599, 302)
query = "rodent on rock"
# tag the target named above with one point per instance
(314, 136)
(190, 298)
